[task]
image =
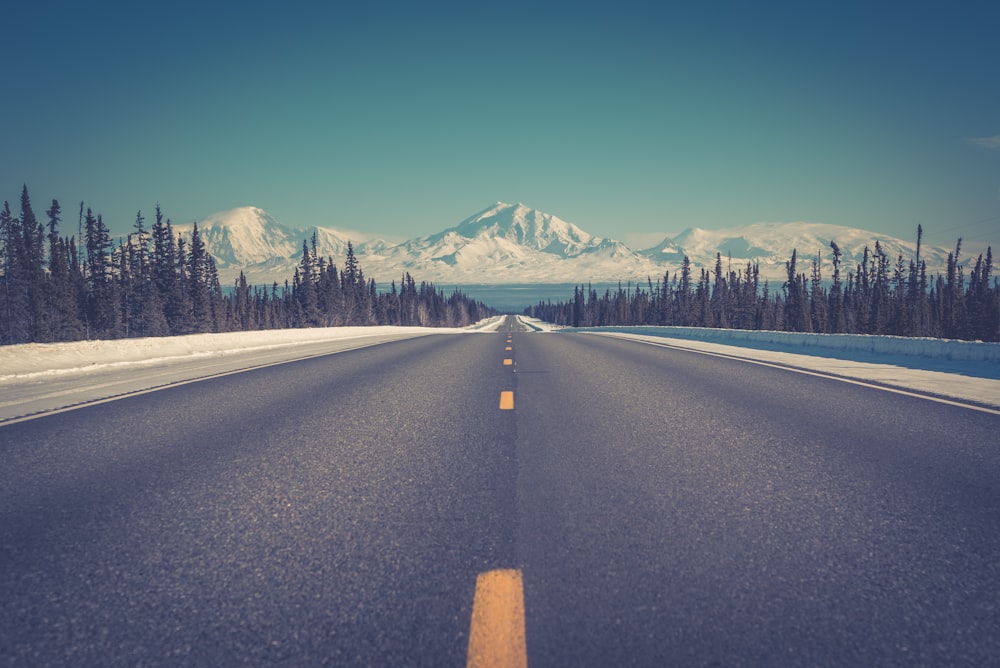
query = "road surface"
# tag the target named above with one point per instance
(661, 507)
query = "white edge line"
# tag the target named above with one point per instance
(818, 374)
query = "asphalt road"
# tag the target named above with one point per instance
(664, 507)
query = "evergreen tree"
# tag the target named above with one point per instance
(63, 302)
(101, 309)
(880, 297)
(794, 308)
(683, 301)
(818, 298)
(17, 327)
(198, 291)
(954, 307)
(147, 317)
(836, 296)
(305, 286)
(166, 278)
(32, 266)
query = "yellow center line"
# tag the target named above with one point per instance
(508, 362)
(508, 348)
(507, 400)
(496, 634)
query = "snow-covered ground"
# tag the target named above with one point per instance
(36, 378)
(41, 377)
(49, 359)
(962, 370)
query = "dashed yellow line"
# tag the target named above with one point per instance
(507, 400)
(508, 362)
(508, 348)
(496, 634)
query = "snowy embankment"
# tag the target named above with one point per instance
(974, 358)
(38, 359)
(967, 371)
(42, 377)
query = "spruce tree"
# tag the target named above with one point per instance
(198, 284)
(64, 313)
(16, 327)
(836, 295)
(32, 265)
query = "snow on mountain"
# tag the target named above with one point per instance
(244, 237)
(508, 243)
(249, 239)
(513, 243)
(529, 228)
(771, 244)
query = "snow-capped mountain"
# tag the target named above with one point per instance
(245, 237)
(512, 243)
(508, 243)
(770, 246)
(529, 228)
(249, 239)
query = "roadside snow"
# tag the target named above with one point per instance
(974, 357)
(43, 377)
(34, 359)
(968, 371)
(536, 325)
(35, 378)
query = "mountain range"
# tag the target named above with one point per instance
(513, 244)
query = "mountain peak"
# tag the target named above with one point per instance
(242, 217)
(525, 226)
(515, 243)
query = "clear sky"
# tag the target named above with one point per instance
(630, 119)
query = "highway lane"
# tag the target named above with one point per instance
(679, 509)
(334, 511)
(664, 507)
(35, 394)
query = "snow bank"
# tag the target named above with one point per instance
(31, 359)
(893, 345)
(534, 324)
(977, 357)
(487, 325)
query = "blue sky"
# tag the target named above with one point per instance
(630, 119)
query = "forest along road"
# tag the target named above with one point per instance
(660, 507)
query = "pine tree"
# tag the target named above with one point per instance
(305, 286)
(166, 278)
(838, 324)
(185, 316)
(32, 265)
(954, 311)
(102, 314)
(720, 296)
(794, 307)
(64, 318)
(683, 306)
(817, 297)
(198, 284)
(147, 317)
(16, 327)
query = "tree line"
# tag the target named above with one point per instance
(880, 295)
(154, 282)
